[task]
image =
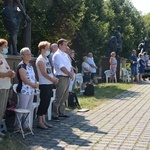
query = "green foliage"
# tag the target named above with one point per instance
(86, 24)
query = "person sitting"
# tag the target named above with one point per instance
(86, 72)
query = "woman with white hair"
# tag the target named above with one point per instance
(27, 82)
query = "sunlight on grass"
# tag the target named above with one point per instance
(12, 143)
(103, 93)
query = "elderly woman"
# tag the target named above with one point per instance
(26, 81)
(86, 72)
(113, 66)
(46, 81)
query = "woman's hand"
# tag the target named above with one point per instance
(55, 80)
(35, 85)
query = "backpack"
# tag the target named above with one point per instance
(73, 100)
(89, 90)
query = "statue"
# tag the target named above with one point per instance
(13, 12)
(115, 42)
(112, 45)
(143, 46)
(119, 40)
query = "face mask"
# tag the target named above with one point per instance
(47, 53)
(4, 51)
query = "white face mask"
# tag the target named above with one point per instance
(47, 53)
(4, 51)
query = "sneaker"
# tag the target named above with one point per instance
(55, 118)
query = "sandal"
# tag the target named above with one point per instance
(48, 125)
(42, 126)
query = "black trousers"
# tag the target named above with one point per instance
(45, 97)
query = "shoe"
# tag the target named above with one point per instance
(48, 125)
(42, 126)
(2, 134)
(55, 118)
(65, 116)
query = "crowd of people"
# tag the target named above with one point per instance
(139, 64)
(56, 68)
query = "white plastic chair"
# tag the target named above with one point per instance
(107, 75)
(79, 80)
(126, 75)
(34, 104)
(25, 112)
(50, 105)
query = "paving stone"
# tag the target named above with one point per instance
(122, 123)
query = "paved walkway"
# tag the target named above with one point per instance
(120, 124)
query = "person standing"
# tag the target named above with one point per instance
(46, 81)
(91, 62)
(134, 69)
(54, 48)
(5, 79)
(75, 70)
(113, 66)
(63, 71)
(142, 65)
(27, 83)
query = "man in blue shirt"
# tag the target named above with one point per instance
(134, 69)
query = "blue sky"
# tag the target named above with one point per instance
(142, 5)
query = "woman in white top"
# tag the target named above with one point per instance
(26, 81)
(46, 81)
(5, 79)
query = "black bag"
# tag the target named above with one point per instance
(89, 90)
(73, 100)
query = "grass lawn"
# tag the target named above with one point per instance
(103, 93)
(12, 143)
